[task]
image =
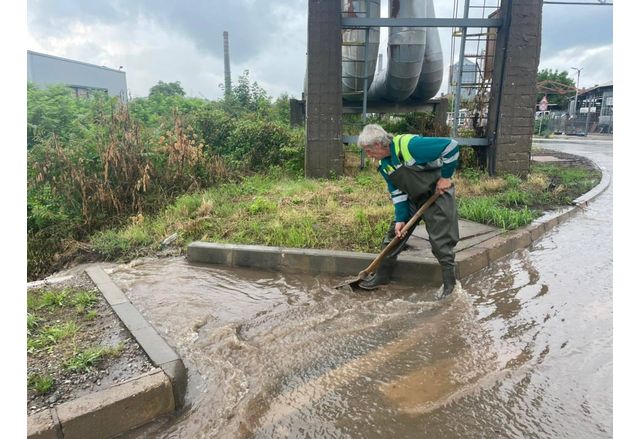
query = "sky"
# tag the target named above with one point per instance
(173, 40)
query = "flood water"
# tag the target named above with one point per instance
(524, 349)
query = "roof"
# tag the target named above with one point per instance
(74, 61)
(606, 84)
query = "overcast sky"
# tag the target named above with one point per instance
(177, 40)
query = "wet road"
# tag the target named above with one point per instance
(523, 350)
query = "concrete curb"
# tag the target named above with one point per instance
(125, 405)
(411, 269)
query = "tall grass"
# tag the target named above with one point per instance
(487, 210)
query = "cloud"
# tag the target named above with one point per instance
(254, 24)
(173, 40)
(596, 63)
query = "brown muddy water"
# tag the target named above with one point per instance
(524, 349)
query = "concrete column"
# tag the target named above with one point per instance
(324, 153)
(513, 96)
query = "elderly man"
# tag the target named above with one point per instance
(414, 167)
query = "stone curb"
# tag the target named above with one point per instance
(126, 405)
(411, 269)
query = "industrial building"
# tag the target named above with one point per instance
(81, 77)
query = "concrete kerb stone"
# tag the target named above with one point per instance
(470, 260)
(107, 413)
(42, 425)
(117, 409)
(122, 406)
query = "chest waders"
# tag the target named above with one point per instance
(441, 221)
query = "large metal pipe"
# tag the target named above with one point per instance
(355, 44)
(414, 67)
(405, 54)
(432, 64)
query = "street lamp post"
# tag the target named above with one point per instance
(575, 107)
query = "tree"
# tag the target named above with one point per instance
(557, 86)
(247, 97)
(166, 89)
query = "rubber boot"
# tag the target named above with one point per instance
(448, 282)
(381, 277)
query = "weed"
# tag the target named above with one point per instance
(51, 335)
(261, 205)
(83, 300)
(83, 361)
(92, 314)
(32, 323)
(40, 384)
(53, 299)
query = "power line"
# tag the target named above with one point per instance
(600, 3)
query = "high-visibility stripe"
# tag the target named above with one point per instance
(399, 199)
(451, 159)
(450, 147)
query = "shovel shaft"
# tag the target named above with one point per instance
(415, 218)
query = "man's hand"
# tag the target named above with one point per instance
(399, 227)
(443, 184)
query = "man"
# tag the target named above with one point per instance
(414, 168)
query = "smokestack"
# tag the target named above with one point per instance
(227, 68)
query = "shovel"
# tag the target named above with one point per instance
(353, 283)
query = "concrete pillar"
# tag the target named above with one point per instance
(513, 96)
(296, 112)
(324, 152)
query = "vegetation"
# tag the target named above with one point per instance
(348, 213)
(58, 321)
(557, 101)
(84, 360)
(111, 181)
(94, 164)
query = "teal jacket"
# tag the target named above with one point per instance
(421, 151)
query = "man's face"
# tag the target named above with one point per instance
(376, 151)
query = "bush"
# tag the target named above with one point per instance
(214, 127)
(258, 145)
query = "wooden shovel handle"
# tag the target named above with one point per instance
(416, 217)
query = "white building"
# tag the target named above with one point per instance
(81, 77)
(470, 79)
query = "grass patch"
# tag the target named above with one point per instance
(33, 321)
(487, 210)
(346, 213)
(84, 300)
(52, 299)
(84, 360)
(41, 384)
(51, 335)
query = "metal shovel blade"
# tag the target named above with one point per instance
(354, 283)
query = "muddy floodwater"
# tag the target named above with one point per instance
(524, 349)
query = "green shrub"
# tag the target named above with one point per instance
(214, 126)
(257, 145)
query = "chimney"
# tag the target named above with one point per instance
(227, 68)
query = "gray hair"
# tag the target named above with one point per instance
(373, 133)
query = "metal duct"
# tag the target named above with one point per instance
(354, 44)
(405, 54)
(432, 65)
